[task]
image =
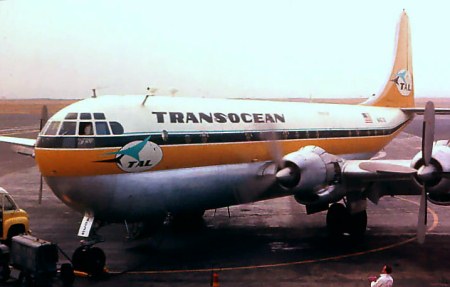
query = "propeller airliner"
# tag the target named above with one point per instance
(139, 158)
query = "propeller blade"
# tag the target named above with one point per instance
(275, 149)
(383, 167)
(422, 220)
(41, 184)
(428, 132)
(43, 121)
(44, 117)
(255, 188)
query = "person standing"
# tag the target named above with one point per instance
(384, 280)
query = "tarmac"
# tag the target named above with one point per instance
(268, 243)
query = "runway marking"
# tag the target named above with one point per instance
(284, 264)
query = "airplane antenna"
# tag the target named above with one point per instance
(146, 97)
(151, 92)
(94, 93)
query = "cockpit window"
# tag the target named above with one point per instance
(99, 116)
(86, 128)
(52, 128)
(68, 128)
(71, 116)
(102, 128)
(85, 116)
(116, 128)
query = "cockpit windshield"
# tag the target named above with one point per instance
(83, 124)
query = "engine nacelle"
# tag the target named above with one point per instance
(309, 170)
(439, 187)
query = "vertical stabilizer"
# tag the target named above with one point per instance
(399, 89)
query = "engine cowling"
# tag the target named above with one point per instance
(438, 187)
(309, 172)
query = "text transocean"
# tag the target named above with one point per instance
(187, 117)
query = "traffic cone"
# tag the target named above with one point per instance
(215, 279)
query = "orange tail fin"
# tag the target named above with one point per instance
(399, 89)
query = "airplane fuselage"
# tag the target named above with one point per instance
(190, 153)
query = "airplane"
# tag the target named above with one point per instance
(135, 159)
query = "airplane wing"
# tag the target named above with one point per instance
(318, 179)
(18, 141)
(22, 146)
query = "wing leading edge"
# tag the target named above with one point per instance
(18, 141)
(22, 146)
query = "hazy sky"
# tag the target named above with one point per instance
(63, 49)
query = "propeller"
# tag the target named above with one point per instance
(255, 187)
(426, 172)
(43, 121)
(274, 146)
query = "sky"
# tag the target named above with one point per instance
(205, 48)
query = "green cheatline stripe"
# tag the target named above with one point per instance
(199, 137)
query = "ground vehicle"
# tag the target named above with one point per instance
(13, 220)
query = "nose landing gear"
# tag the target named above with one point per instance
(89, 259)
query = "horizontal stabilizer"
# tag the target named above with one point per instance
(420, 111)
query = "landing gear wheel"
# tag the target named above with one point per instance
(89, 259)
(337, 217)
(358, 224)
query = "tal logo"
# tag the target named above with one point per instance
(403, 81)
(137, 156)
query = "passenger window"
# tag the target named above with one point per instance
(99, 116)
(68, 128)
(102, 128)
(86, 129)
(71, 116)
(85, 116)
(116, 128)
(52, 128)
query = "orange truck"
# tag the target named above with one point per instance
(13, 220)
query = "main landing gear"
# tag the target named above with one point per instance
(340, 221)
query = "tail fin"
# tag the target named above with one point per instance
(399, 89)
